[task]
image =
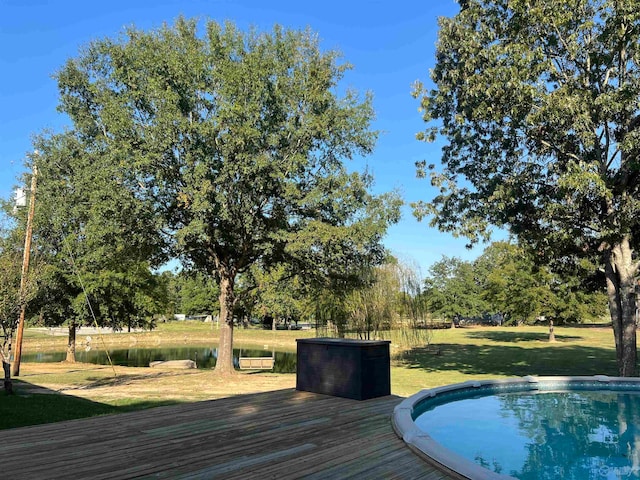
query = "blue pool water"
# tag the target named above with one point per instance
(573, 435)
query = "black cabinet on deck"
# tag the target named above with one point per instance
(358, 369)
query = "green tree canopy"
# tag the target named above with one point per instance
(97, 240)
(239, 140)
(539, 102)
(10, 298)
(452, 289)
(513, 285)
(277, 294)
(505, 280)
(17, 287)
(190, 293)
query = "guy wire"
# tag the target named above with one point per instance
(86, 296)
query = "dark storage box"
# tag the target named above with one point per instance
(357, 369)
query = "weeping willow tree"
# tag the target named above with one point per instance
(387, 303)
(418, 322)
(330, 312)
(372, 310)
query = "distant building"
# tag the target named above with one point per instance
(181, 317)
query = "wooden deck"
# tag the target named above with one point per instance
(274, 435)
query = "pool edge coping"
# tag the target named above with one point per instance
(449, 461)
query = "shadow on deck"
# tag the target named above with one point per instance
(281, 434)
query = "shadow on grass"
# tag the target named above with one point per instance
(512, 360)
(512, 337)
(98, 382)
(35, 405)
(590, 325)
(79, 370)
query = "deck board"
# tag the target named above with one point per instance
(279, 435)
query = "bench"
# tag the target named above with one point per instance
(256, 363)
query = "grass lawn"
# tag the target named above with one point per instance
(58, 391)
(34, 409)
(458, 355)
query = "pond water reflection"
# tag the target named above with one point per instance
(205, 357)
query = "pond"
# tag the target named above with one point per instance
(205, 357)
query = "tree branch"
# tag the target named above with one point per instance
(559, 150)
(613, 157)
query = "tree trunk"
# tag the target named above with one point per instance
(8, 385)
(341, 325)
(6, 366)
(224, 362)
(620, 274)
(71, 344)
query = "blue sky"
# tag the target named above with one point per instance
(390, 44)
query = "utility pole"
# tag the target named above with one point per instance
(25, 270)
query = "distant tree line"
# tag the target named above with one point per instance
(505, 285)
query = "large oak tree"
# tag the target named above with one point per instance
(239, 139)
(539, 101)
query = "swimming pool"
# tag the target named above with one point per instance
(528, 428)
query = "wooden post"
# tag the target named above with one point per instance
(25, 270)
